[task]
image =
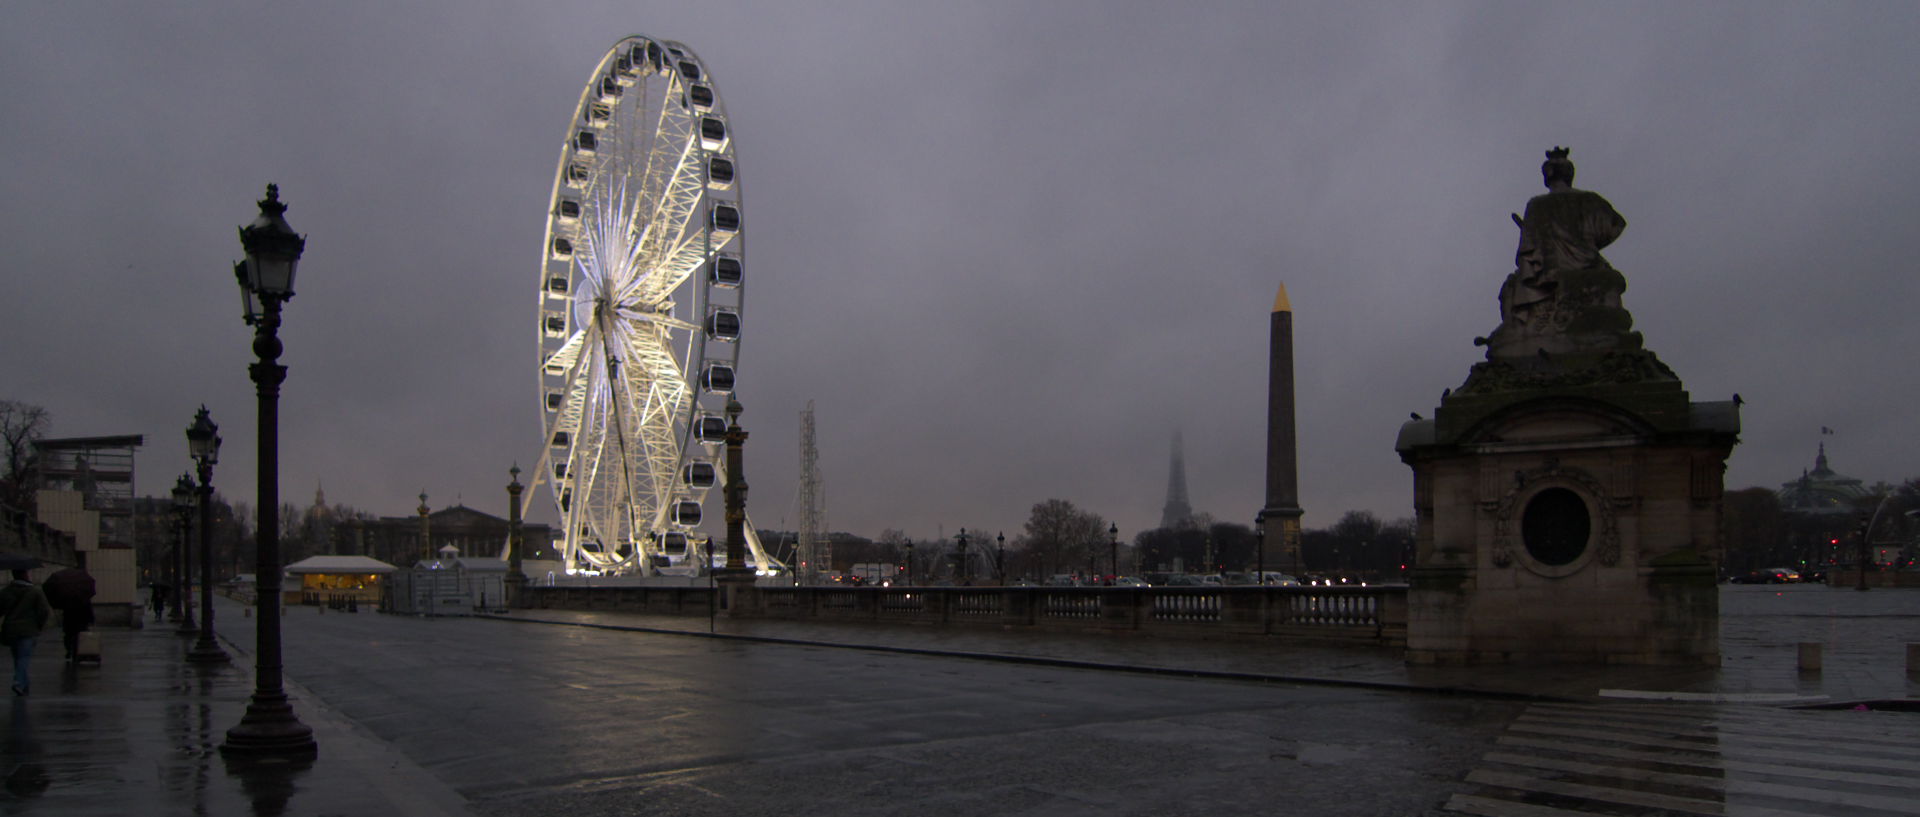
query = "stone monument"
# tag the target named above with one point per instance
(1567, 494)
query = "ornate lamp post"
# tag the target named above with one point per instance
(1113, 550)
(187, 627)
(1000, 558)
(516, 578)
(203, 442)
(182, 510)
(426, 528)
(273, 249)
(909, 562)
(1260, 545)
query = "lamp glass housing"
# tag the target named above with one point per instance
(203, 438)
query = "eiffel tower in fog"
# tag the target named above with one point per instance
(1177, 513)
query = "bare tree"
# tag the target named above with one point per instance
(20, 424)
(1061, 537)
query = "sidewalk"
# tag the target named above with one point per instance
(1864, 636)
(140, 734)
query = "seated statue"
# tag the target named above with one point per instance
(1563, 298)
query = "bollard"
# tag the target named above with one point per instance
(1810, 656)
(1913, 660)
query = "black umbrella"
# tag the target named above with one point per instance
(15, 561)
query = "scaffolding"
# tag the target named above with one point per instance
(100, 469)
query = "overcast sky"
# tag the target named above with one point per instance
(1006, 248)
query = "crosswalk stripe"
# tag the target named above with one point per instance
(1830, 775)
(1562, 759)
(1608, 794)
(1491, 807)
(1713, 783)
(1891, 746)
(1712, 748)
(1878, 727)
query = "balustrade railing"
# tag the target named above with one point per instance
(1376, 614)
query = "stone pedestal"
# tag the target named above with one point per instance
(1567, 495)
(1577, 524)
(737, 592)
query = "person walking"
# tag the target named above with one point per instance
(157, 595)
(23, 614)
(71, 592)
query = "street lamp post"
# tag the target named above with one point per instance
(1113, 550)
(203, 442)
(273, 249)
(1000, 558)
(426, 529)
(516, 536)
(909, 562)
(182, 507)
(1260, 546)
(183, 494)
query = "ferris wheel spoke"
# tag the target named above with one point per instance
(661, 319)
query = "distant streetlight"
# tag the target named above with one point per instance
(273, 250)
(176, 564)
(203, 442)
(909, 562)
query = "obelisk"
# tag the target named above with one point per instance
(1280, 519)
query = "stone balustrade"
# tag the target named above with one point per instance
(1376, 615)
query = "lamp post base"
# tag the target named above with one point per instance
(270, 728)
(187, 626)
(206, 652)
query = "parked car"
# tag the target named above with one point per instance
(1128, 581)
(1771, 575)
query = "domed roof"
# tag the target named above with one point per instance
(1821, 490)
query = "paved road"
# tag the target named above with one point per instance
(528, 719)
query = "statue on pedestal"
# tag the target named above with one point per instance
(1561, 318)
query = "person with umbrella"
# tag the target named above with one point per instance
(71, 592)
(23, 614)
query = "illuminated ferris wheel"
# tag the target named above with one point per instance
(641, 298)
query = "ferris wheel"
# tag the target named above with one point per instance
(641, 298)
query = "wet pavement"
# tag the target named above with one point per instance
(583, 714)
(1864, 637)
(139, 734)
